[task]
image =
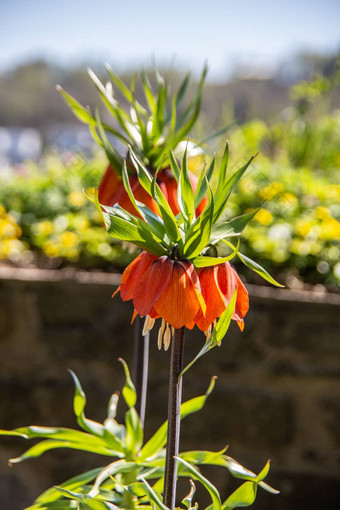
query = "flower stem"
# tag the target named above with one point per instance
(174, 418)
(141, 364)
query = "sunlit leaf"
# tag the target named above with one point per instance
(204, 481)
(258, 269)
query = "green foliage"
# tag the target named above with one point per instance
(151, 129)
(136, 471)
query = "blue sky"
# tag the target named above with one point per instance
(129, 33)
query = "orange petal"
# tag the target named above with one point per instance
(178, 304)
(133, 273)
(135, 313)
(211, 293)
(242, 300)
(152, 284)
(111, 188)
(241, 324)
(192, 273)
(228, 280)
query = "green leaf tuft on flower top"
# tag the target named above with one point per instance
(153, 130)
(185, 194)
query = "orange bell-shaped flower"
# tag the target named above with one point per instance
(218, 285)
(162, 287)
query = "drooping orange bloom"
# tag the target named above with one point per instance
(218, 284)
(111, 191)
(172, 290)
(162, 287)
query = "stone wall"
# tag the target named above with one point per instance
(277, 395)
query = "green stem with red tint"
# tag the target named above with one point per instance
(174, 417)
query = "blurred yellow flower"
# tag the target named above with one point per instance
(51, 249)
(76, 198)
(44, 228)
(302, 227)
(264, 217)
(271, 190)
(322, 213)
(69, 239)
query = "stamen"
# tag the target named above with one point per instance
(148, 324)
(167, 337)
(160, 334)
(208, 333)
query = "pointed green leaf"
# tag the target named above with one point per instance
(245, 495)
(137, 234)
(185, 196)
(129, 390)
(258, 269)
(198, 235)
(51, 444)
(204, 481)
(79, 400)
(153, 496)
(174, 166)
(233, 227)
(134, 432)
(262, 475)
(224, 190)
(202, 184)
(13, 433)
(187, 501)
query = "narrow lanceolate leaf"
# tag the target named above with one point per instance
(134, 432)
(13, 433)
(79, 111)
(51, 495)
(129, 390)
(204, 481)
(118, 466)
(242, 497)
(185, 194)
(90, 426)
(85, 116)
(187, 501)
(168, 217)
(198, 235)
(79, 399)
(223, 192)
(189, 117)
(205, 457)
(223, 167)
(202, 185)
(134, 233)
(87, 500)
(258, 269)
(231, 228)
(110, 152)
(151, 187)
(219, 332)
(210, 261)
(51, 444)
(174, 166)
(154, 497)
(158, 440)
